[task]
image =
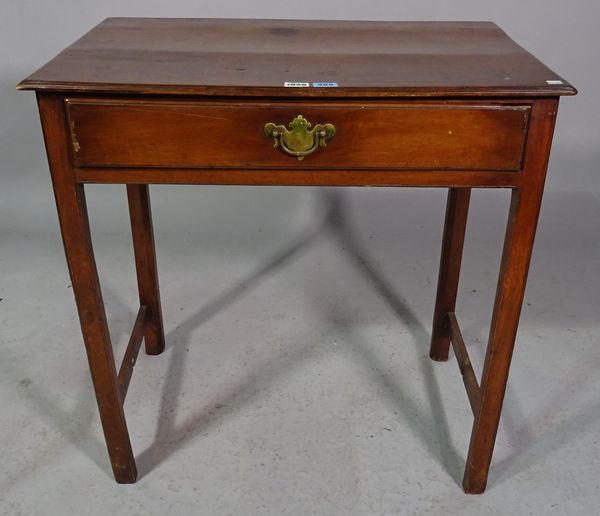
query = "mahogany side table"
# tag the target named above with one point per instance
(276, 102)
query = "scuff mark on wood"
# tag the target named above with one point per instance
(74, 140)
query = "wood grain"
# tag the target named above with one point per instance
(126, 133)
(256, 57)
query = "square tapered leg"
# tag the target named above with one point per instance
(75, 229)
(518, 245)
(455, 225)
(145, 263)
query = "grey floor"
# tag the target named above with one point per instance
(296, 378)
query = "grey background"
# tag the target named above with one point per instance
(296, 378)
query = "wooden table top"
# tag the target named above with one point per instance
(257, 58)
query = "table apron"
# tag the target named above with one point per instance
(417, 178)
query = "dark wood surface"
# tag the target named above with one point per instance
(112, 111)
(256, 57)
(434, 136)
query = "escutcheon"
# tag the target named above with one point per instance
(299, 140)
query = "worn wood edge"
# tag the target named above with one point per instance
(132, 352)
(277, 91)
(464, 364)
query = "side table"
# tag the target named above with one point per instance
(456, 105)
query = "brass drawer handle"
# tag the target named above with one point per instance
(299, 140)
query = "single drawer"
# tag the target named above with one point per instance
(348, 135)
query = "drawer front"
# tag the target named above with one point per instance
(190, 134)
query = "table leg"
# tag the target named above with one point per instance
(74, 224)
(457, 208)
(145, 262)
(507, 307)
(518, 244)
